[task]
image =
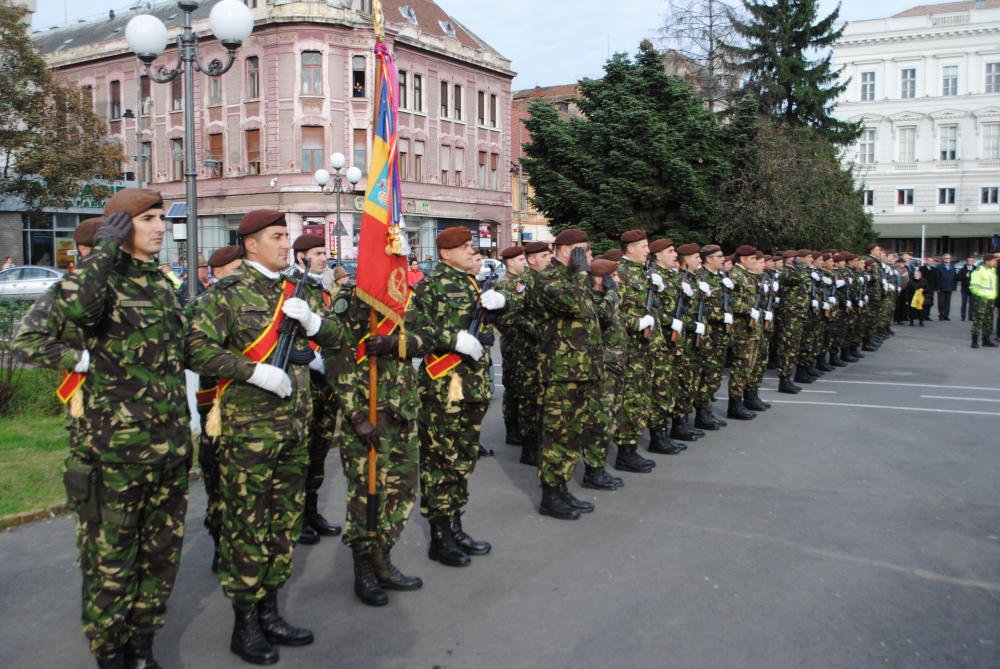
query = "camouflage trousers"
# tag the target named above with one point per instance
(263, 492)
(514, 388)
(396, 463)
(811, 334)
(982, 318)
(789, 338)
(322, 434)
(746, 348)
(763, 350)
(130, 557)
(687, 362)
(595, 453)
(664, 379)
(208, 461)
(633, 398)
(713, 361)
(527, 392)
(449, 450)
(571, 424)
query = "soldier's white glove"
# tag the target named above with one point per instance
(699, 328)
(728, 283)
(849, 304)
(686, 287)
(727, 318)
(677, 325)
(704, 287)
(826, 306)
(768, 315)
(316, 364)
(83, 364)
(492, 300)
(774, 286)
(815, 304)
(297, 308)
(814, 275)
(840, 283)
(767, 288)
(827, 280)
(833, 300)
(777, 300)
(657, 281)
(272, 379)
(646, 322)
(191, 391)
(195, 424)
(861, 279)
(754, 314)
(468, 345)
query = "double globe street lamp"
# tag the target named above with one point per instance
(231, 22)
(323, 177)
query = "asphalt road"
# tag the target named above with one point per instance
(856, 524)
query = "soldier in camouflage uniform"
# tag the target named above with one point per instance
(127, 474)
(667, 360)
(454, 388)
(513, 341)
(765, 290)
(792, 312)
(713, 353)
(396, 441)
(571, 357)
(746, 327)
(692, 340)
(323, 430)
(263, 417)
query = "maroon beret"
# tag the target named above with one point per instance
(688, 249)
(258, 219)
(306, 242)
(789, 254)
(512, 252)
(744, 250)
(603, 267)
(535, 247)
(84, 233)
(223, 256)
(838, 257)
(453, 237)
(759, 256)
(709, 249)
(660, 244)
(630, 236)
(613, 254)
(134, 201)
(728, 258)
(570, 236)
(816, 255)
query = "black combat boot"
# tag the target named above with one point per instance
(821, 363)
(554, 505)
(835, 360)
(366, 585)
(975, 341)
(704, 419)
(248, 639)
(660, 442)
(389, 576)
(785, 385)
(139, 653)
(869, 345)
(681, 430)
(847, 356)
(856, 352)
(738, 411)
(315, 519)
(580, 505)
(513, 434)
(598, 478)
(803, 376)
(485, 452)
(276, 629)
(443, 547)
(468, 545)
(988, 342)
(111, 659)
(629, 461)
(216, 553)
(529, 450)
(753, 402)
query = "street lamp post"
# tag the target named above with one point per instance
(231, 22)
(322, 177)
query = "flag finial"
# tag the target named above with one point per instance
(378, 20)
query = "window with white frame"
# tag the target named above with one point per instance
(946, 196)
(989, 194)
(907, 144)
(867, 86)
(904, 197)
(993, 77)
(866, 147)
(949, 142)
(991, 141)
(949, 80)
(253, 78)
(908, 83)
(867, 198)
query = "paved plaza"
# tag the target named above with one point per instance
(856, 524)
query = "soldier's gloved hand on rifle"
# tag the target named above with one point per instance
(297, 308)
(578, 259)
(271, 378)
(657, 281)
(609, 282)
(316, 364)
(467, 344)
(728, 283)
(646, 322)
(115, 229)
(83, 364)
(367, 434)
(492, 300)
(382, 344)
(486, 338)
(491, 317)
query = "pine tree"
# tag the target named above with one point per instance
(778, 37)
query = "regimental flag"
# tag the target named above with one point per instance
(381, 280)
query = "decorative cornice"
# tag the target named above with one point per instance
(882, 38)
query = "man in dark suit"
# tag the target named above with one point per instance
(947, 275)
(962, 276)
(929, 272)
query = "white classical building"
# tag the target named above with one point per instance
(925, 85)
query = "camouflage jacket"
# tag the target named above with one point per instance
(398, 393)
(634, 288)
(45, 338)
(570, 337)
(713, 303)
(225, 321)
(135, 408)
(744, 292)
(608, 305)
(444, 304)
(515, 324)
(794, 288)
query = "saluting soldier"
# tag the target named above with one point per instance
(455, 390)
(262, 413)
(127, 475)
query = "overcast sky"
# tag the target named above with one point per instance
(551, 42)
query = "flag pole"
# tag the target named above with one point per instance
(372, 500)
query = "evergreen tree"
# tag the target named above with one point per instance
(778, 37)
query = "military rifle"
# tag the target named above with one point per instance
(769, 307)
(699, 339)
(678, 313)
(727, 306)
(284, 351)
(651, 301)
(476, 325)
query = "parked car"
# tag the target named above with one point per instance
(27, 282)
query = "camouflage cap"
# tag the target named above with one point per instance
(84, 233)
(134, 201)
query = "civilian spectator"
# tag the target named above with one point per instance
(7, 263)
(947, 275)
(414, 274)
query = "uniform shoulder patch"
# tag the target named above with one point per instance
(520, 287)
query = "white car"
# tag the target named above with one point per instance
(27, 282)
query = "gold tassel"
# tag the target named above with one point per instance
(213, 421)
(455, 393)
(402, 342)
(76, 404)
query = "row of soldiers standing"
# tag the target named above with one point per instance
(597, 350)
